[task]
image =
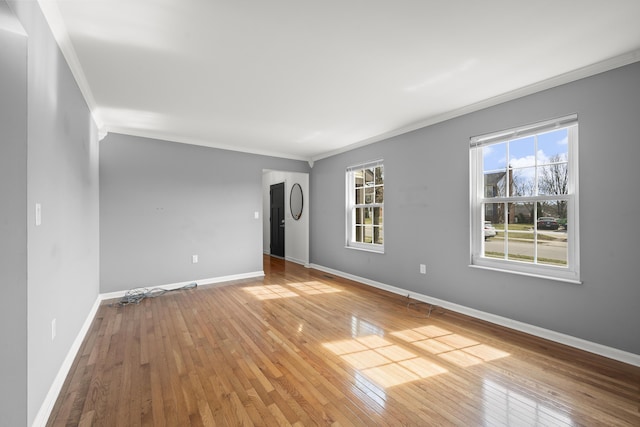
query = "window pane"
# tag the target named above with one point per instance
(358, 218)
(552, 211)
(523, 182)
(379, 176)
(522, 216)
(368, 216)
(521, 236)
(552, 247)
(494, 157)
(493, 233)
(359, 233)
(369, 175)
(359, 178)
(522, 152)
(553, 144)
(368, 194)
(368, 234)
(494, 212)
(495, 184)
(552, 233)
(378, 235)
(359, 196)
(494, 169)
(379, 194)
(377, 216)
(551, 254)
(553, 179)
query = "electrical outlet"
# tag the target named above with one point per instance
(194, 259)
(423, 269)
(53, 329)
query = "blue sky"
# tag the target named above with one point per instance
(522, 151)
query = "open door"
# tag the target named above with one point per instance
(276, 196)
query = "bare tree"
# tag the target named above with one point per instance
(554, 179)
(522, 186)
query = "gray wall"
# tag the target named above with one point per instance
(13, 220)
(427, 214)
(61, 175)
(162, 202)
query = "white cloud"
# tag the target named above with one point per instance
(522, 162)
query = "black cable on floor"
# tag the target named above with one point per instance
(134, 296)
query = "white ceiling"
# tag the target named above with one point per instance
(305, 79)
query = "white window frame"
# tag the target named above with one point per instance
(351, 207)
(568, 273)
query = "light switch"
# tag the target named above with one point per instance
(256, 215)
(38, 214)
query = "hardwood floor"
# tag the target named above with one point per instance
(302, 348)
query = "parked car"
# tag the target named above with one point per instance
(547, 223)
(489, 230)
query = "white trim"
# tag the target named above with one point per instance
(297, 261)
(581, 344)
(478, 199)
(201, 282)
(365, 165)
(164, 136)
(368, 248)
(49, 401)
(524, 273)
(351, 206)
(524, 130)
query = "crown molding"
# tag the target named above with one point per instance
(571, 76)
(200, 142)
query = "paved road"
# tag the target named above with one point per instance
(546, 249)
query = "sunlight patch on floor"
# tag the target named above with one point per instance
(314, 288)
(383, 362)
(270, 292)
(454, 348)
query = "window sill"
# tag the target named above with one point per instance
(375, 251)
(524, 273)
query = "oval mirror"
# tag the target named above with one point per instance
(296, 201)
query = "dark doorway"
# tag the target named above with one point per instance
(276, 196)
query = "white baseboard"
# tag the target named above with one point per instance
(47, 406)
(297, 261)
(602, 350)
(201, 282)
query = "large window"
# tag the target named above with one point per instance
(524, 208)
(365, 206)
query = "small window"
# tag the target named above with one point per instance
(365, 206)
(524, 209)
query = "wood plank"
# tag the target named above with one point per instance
(300, 347)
